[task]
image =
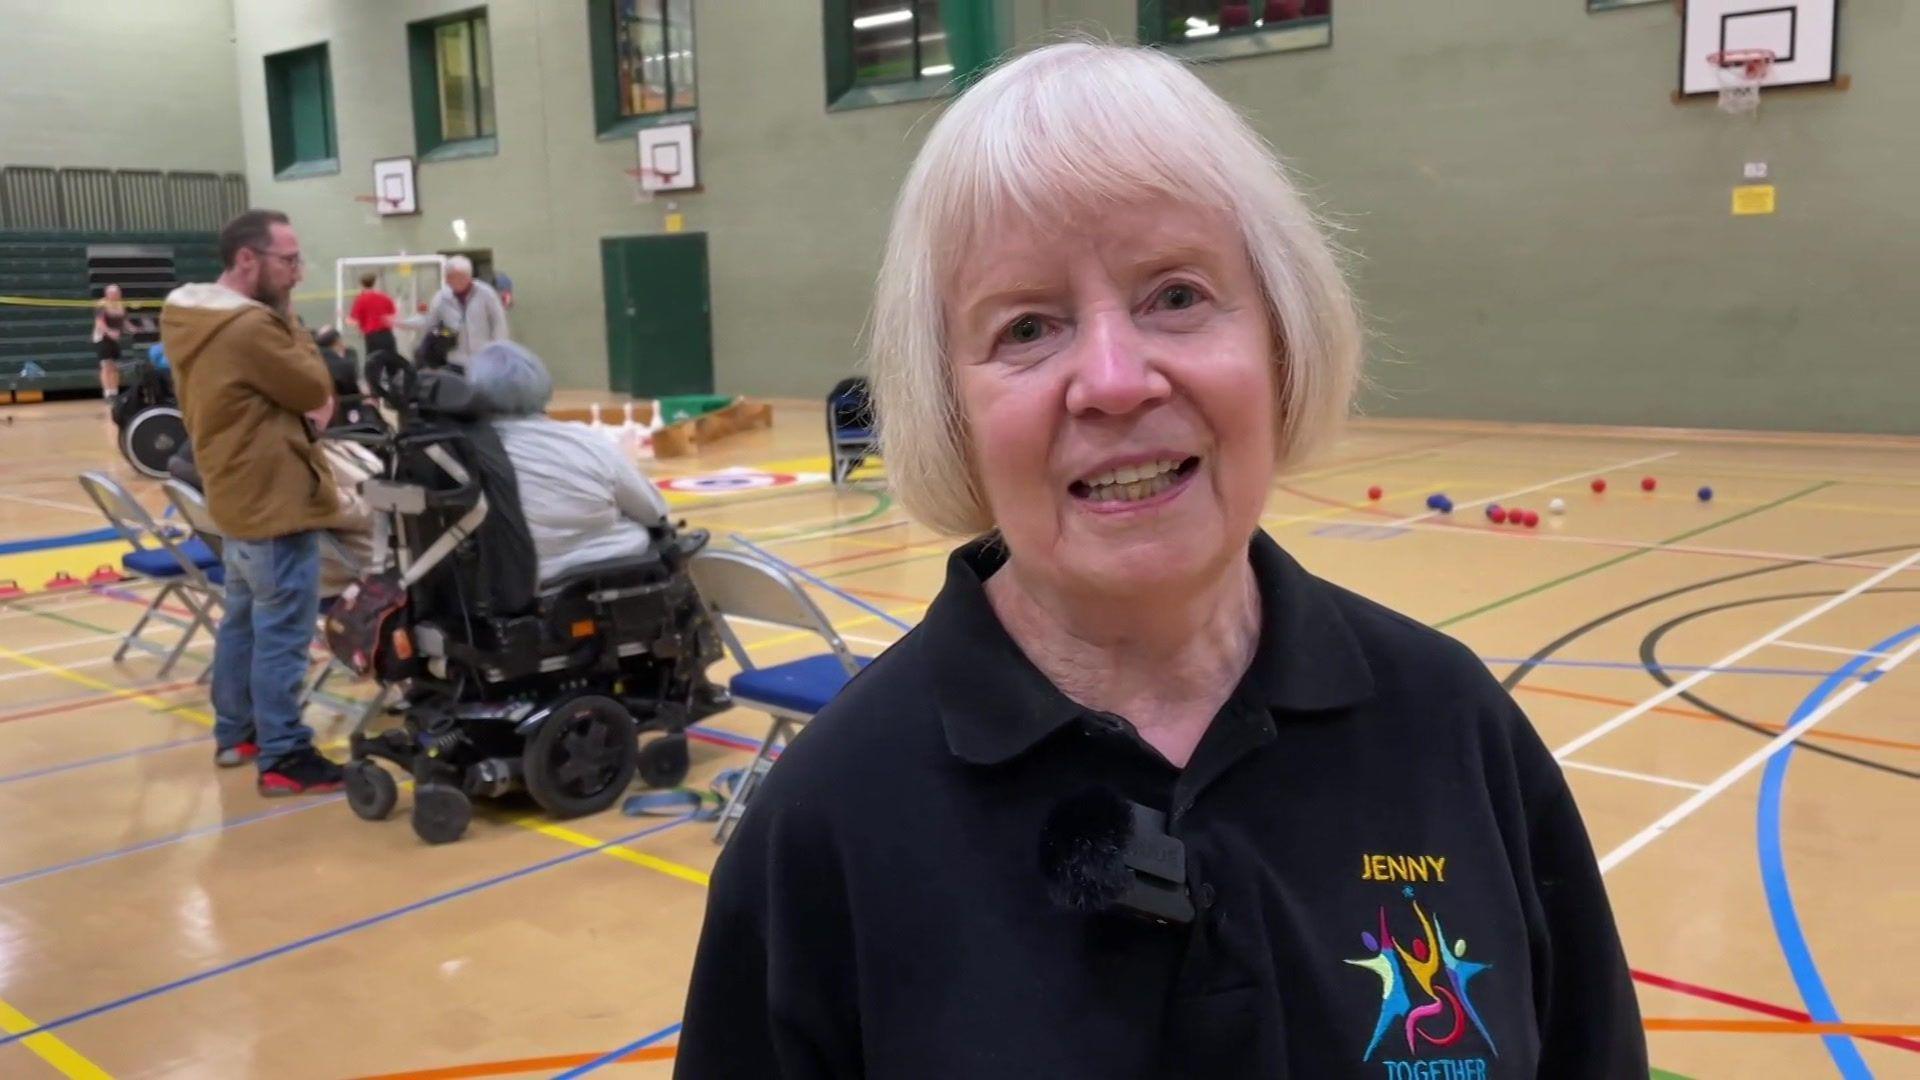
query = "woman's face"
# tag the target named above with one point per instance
(1117, 377)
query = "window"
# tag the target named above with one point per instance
(642, 61)
(452, 68)
(300, 113)
(902, 50)
(654, 39)
(1221, 29)
(1608, 5)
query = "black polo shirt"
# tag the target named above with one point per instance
(1389, 875)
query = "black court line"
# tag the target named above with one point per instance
(1649, 655)
(1519, 674)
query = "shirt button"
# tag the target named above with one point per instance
(1205, 895)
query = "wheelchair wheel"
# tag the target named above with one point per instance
(371, 791)
(440, 813)
(582, 757)
(664, 761)
(151, 438)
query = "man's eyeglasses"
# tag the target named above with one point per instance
(292, 260)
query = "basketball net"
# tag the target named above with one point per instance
(647, 181)
(1742, 72)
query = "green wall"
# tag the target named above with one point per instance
(134, 84)
(1539, 232)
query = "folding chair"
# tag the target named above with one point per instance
(192, 508)
(739, 586)
(851, 436)
(187, 569)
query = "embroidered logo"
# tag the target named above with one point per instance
(1424, 992)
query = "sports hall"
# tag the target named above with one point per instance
(1637, 429)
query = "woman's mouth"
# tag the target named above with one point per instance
(1134, 483)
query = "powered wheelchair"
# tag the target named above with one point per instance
(147, 415)
(508, 684)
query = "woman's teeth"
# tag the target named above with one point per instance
(1131, 483)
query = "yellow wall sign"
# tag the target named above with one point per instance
(675, 222)
(1751, 199)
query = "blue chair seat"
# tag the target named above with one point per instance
(800, 686)
(852, 435)
(156, 562)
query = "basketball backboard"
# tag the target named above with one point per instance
(393, 187)
(1802, 35)
(666, 158)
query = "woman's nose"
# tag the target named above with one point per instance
(1114, 369)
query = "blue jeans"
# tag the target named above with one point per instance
(260, 653)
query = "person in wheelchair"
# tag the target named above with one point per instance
(535, 633)
(584, 501)
(146, 414)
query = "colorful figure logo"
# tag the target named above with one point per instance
(1441, 973)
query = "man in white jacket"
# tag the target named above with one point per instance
(468, 309)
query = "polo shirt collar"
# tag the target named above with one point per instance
(994, 704)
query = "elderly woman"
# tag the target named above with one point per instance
(1142, 797)
(584, 501)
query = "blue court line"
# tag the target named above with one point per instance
(1633, 665)
(811, 579)
(46, 543)
(1773, 872)
(14, 778)
(163, 841)
(612, 1056)
(338, 931)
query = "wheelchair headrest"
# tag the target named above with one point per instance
(445, 392)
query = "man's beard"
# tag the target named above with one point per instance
(275, 298)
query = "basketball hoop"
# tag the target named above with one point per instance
(379, 202)
(1742, 73)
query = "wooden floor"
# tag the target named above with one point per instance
(1727, 683)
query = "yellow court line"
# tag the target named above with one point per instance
(186, 712)
(92, 683)
(48, 1048)
(615, 851)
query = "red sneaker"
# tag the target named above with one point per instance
(304, 773)
(238, 754)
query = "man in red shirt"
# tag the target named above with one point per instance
(373, 312)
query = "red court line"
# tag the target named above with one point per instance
(1696, 714)
(1764, 1008)
(1779, 1027)
(99, 699)
(526, 1065)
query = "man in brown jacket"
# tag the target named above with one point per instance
(253, 390)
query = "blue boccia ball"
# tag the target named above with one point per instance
(1706, 494)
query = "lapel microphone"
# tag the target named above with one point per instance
(1101, 852)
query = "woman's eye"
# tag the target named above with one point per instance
(1025, 330)
(1178, 297)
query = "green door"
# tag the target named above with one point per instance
(659, 327)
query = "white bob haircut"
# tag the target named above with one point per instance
(1057, 131)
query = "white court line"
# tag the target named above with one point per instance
(45, 603)
(1569, 478)
(1830, 649)
(31, 501)
(1626, 775)
(1732, 658)
(1649, 545)
(854, 638)
(53, 645)
(1732, 776)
